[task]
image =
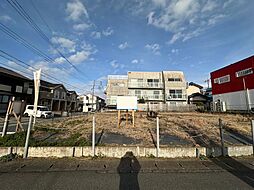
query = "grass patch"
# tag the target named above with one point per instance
(18, 139)
(74, 122)
(9, 157)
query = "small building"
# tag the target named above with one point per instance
(193, 88)
(117, 86)
(13, 84)
(91, 102)
(166, 87)
(233, 86)
(71, 101)
(54, 96)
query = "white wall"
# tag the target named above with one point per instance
(236, 100)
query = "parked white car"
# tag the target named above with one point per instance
(42, 111)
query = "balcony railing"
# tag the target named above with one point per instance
(151, 97)
(145, 85)
(46, 95)
(176, 97)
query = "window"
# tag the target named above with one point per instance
(222, 80)
(153, 82)
(137, 92)
(244, 72)
(156, 92)
(57, 94)
(176, 94)
(174, 79)
(5, 99)
(63, 95)
(19, 89)
(30, 107)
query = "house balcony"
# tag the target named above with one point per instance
(145, 85)
(151, 97)
(45, 95)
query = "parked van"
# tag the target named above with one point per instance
(42, 111)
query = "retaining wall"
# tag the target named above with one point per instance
(118, 152)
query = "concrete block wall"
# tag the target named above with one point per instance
(120, 151)
(240, 151)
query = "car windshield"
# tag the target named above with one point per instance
(43, 109)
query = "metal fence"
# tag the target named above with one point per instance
(167, 107)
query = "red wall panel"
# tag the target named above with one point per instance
(236, 83)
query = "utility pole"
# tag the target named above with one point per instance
(208, 82)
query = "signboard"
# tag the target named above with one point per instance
(126, 103)
(37, 77)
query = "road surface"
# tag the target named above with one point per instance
(217, 173)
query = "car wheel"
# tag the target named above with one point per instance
(26, 115)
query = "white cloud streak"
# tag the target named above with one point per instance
(81, 27)
(154, 48)
(186, 19)
(76, 10)
(5, 18)
(64, 43)
(123, 46)
(108, 32)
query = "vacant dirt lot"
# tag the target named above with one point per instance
(176, 129)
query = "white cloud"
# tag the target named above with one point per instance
(76, 10)
(174, 51)
(209, 6)
(134, 61)
(5, 18)
(86, 50)
(79, 56)
(114, 64)
(96, 35)
(154, 48)
(123, 45)
(64, 43)
(81, 27)
(52, 71)
(186, 19)
(108, 32)
(161, 3)
(60, 60)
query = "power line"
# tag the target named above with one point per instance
(28, 45)
(30, 67)
(21, 11)
(41, 17)
(26, 73)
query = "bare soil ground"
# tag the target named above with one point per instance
(176, 129)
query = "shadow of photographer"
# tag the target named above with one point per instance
(128, 170)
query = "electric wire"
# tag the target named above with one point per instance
(29, 46)
(21, 11)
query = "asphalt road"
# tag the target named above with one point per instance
(113, 174)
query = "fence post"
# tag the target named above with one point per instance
(93, 138)
(28, 136)
(158, 138)
(252, 130)
(222, 137)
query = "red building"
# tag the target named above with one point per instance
(233, 85)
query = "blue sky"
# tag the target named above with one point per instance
(116, 36)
